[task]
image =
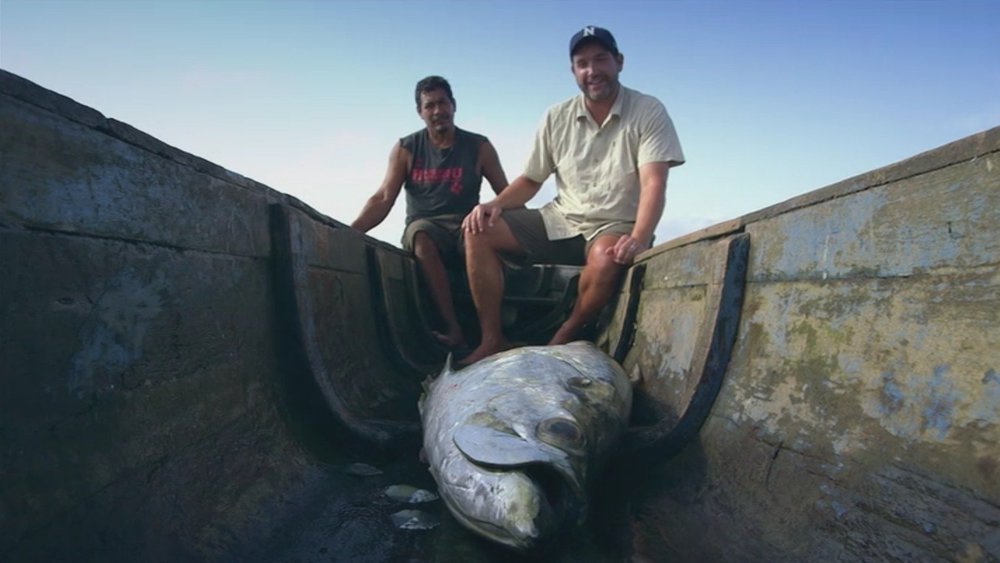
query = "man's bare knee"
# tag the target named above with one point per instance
(480, 243)
(424, 247)
(602, 266)
(495, 240)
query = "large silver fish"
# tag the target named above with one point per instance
(514, 441)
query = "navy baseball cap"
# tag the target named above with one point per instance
(595, 33)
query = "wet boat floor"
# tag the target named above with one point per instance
(340, 516)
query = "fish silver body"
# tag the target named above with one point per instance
(515, 441)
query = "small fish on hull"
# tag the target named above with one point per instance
(516, 440)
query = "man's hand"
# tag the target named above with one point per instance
(482, 217)
(626, 249)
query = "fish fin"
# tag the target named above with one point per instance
(448, 362)
(491, 447)
(429, 380)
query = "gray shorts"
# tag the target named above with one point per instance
(444, 230)
(528, 228)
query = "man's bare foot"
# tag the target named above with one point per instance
(484, 350)
(451, 340)
(565, 335)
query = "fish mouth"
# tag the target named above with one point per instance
(559, 510)
(538, 475)
(560, 506)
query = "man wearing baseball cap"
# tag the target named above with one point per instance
(610, 149)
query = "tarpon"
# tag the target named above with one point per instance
(515, 441)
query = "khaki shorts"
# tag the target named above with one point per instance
(528, 228)
(444, 230)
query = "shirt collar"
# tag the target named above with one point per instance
(616, 108)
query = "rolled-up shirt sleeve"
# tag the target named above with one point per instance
(540, 164)
(658, 140)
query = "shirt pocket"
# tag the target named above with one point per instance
(575, 168)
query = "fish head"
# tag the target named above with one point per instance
(525, 492)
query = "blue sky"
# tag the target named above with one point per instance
(771, 99)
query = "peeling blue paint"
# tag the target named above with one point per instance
(809, 237)
(986, 409)
(991, 377)
(922, 407)
(838, 509)
(940, 403)
(892, 395)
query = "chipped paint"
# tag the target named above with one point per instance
(921, 407)
(819, 241)
(112, 337)
(850, 442)
(985, 410)
(939, 407)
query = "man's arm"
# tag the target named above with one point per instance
(491, 167)
(652, 196)
(521, 190)
(380, 203)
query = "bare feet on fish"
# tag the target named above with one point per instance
(453, 340)
(484, 350)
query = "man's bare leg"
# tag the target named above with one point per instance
(598, 282)
(485, 270)
(432, 268)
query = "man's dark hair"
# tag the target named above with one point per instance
(433, 83)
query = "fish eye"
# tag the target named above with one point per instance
(561, 433)
(580, 381)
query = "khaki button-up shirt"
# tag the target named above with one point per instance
(597, 165)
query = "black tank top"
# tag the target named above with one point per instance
(442, 181)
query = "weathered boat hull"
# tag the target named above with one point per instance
(188, 357)
(858, 418)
